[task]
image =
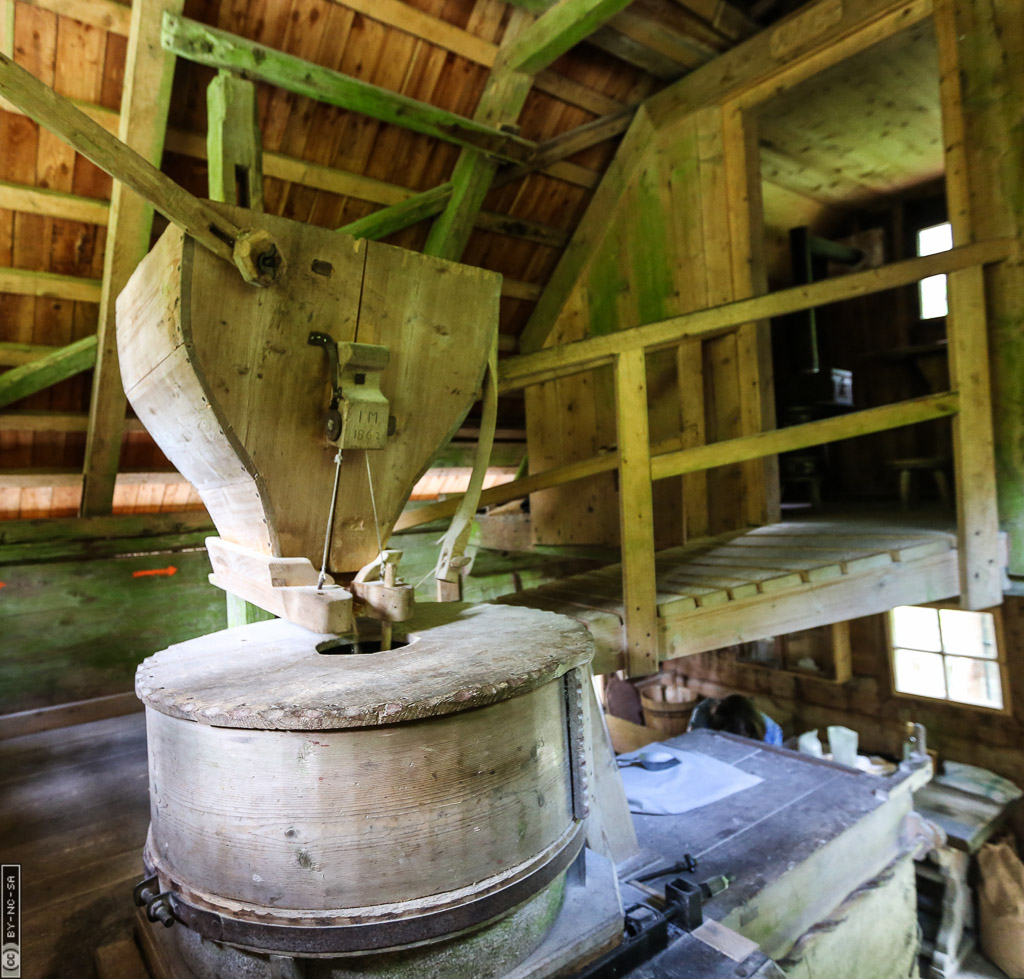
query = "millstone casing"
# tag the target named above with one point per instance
(362, 789)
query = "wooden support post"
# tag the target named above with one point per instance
(234, 148)
(741, 157)
(241, 612)
(842, 651)
(144, 104)
(636, 514)
(981, 60)
(501, 103)
(981, 584)
(7, 27)
(46, 371)
(524, 53)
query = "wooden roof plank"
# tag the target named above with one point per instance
(557, 30)
(7, 27)
(467, 45)
(53, 203)
(107, 15)
(49, 285)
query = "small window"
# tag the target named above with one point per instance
(946, 654)
(932, 291)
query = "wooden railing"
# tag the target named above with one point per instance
(641, 463)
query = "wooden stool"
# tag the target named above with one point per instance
(938, 466)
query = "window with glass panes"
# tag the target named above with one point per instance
(948, 654)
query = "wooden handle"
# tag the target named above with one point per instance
(252, 251)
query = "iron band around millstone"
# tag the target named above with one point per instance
(269, 935)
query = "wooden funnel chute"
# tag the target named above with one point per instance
(224, 378)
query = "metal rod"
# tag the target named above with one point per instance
(330, 522)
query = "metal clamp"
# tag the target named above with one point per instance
(357, 416)
(147, 894)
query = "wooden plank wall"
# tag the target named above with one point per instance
(670, 247)
(991, 739)
(77, 629)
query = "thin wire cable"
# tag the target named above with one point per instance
(373, 505)
(330, 522)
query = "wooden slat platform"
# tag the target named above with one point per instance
(766, 581)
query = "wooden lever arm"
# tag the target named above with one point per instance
(253, 251)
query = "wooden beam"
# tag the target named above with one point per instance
(135, 525)
(145, 100)
(233, 143)
(724, 17)
(569, 143)
(514, 289)
(524, 53)
(7, 28)
(781, 56)
(53, 203)
(44, 477)
(501, 103)
(55, 421)
(795, 437)
(104, 14)
(561, 27)
(446, 35)
(667, 459)
(981, 59)
(49, 285)
(107, 118)
(43, 373)
(636, 515)
(418, 207)
(16, 354)
(571, 358)
(589, 234)
(219, 49)
(981, 571)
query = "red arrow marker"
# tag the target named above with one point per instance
(164, 572)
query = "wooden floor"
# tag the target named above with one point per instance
(74, 808)
(767, 581)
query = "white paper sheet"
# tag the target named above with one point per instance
(696, 781)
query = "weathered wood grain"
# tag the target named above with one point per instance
(209, 375)
(458, 657)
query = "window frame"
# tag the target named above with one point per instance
(997, 619)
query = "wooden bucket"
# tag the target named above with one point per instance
(667, 707)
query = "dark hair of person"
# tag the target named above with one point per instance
(737, 715)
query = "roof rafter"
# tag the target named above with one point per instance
(427, 203)
(220, 49)
(44, 372)
(524, 53)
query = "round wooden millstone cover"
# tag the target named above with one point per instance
(272, 675)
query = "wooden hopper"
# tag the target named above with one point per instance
(225, 380)
(223, 375)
